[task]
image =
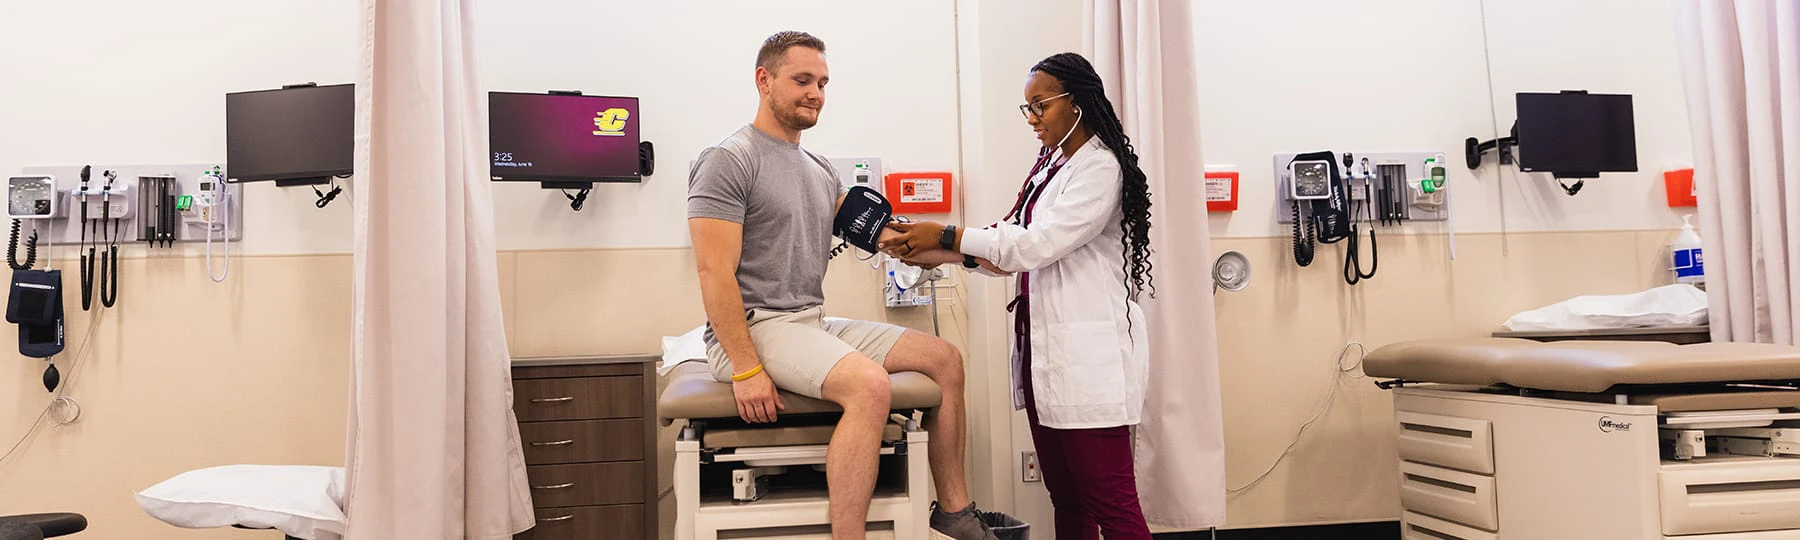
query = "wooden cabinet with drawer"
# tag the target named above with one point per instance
(589, 432)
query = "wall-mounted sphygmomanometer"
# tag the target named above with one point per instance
(34, 302)
(32, 197)
(1570, 134)
(1328, 197)
(566, 141)
(1319, 203)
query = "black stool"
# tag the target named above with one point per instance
(40, 526)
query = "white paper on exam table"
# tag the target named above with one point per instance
(1670, 305)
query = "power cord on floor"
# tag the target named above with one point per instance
(1337, 378)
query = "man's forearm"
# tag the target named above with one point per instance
(725, 311)
(936, 256)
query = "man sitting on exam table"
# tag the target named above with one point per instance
(760, 211)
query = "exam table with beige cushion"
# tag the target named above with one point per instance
(723, 462)
(1512, 438)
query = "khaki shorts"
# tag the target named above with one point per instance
(799, 349)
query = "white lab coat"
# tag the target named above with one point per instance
(1089, 365)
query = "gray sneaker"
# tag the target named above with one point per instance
(965, 524)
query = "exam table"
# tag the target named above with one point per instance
(1512, 438)
(732, 476)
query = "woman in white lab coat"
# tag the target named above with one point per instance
(1077, 240)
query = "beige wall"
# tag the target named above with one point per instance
(182, 374)
(162, 394)
(165, 390)
(1280, 337)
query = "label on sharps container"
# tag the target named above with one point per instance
(1218, 189)
(923, 190)
(1689, 263)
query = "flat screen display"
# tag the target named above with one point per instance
(291, 133)
(1576, 135)
(568, 138)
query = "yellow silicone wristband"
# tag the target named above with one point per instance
(748, 374)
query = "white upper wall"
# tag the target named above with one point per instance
(130, 82)
(1411, 76)
(1602, 46)
(95, 85)
(692, 64)
(125, 82)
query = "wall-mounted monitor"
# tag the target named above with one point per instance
(299, 134)
(563, 140)
(1574, 134)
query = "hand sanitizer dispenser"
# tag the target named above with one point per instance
(1690, 266)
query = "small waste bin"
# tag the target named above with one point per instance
(1006, 527)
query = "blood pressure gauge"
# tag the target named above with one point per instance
(31, 197)
(1310, 180)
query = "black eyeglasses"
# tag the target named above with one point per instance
(1035, 110)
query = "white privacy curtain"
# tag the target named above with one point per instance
(433, 447)
(1144, 50)
(1741, 67)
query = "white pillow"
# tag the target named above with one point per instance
(299, 500)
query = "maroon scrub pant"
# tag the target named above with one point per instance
(1091, 479)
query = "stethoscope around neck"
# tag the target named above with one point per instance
(1047, 157)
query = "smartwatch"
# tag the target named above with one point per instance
(969, 261)
(948, 240)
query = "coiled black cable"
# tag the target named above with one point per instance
(12, 249)
(1303, 245)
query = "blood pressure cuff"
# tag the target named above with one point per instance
(1331, 215)
(35, 304)
(862, 217)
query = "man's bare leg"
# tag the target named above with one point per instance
(940, 361)
(860, 387)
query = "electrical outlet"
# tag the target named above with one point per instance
(1028, 466)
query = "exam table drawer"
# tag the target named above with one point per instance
(586, 484)
(1415, 526)
(1464, 444)
(582, 441)
(1730, 495)
(1456, 496)
(588, 522)
(579, 398)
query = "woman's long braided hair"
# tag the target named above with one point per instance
(1083, 84)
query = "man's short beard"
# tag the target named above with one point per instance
(796, 120)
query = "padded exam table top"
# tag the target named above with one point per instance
(693, 394)
(1582, 366)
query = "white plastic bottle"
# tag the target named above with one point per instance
(1690, 267)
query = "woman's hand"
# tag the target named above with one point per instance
(914, 239)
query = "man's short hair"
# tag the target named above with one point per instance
(777, 45)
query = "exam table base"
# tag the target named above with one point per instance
(696, 519)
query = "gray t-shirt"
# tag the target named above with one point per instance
(784, 196)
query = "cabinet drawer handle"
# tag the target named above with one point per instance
(560, 518)
(554, 443)
(553, 400)
(558, 486)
